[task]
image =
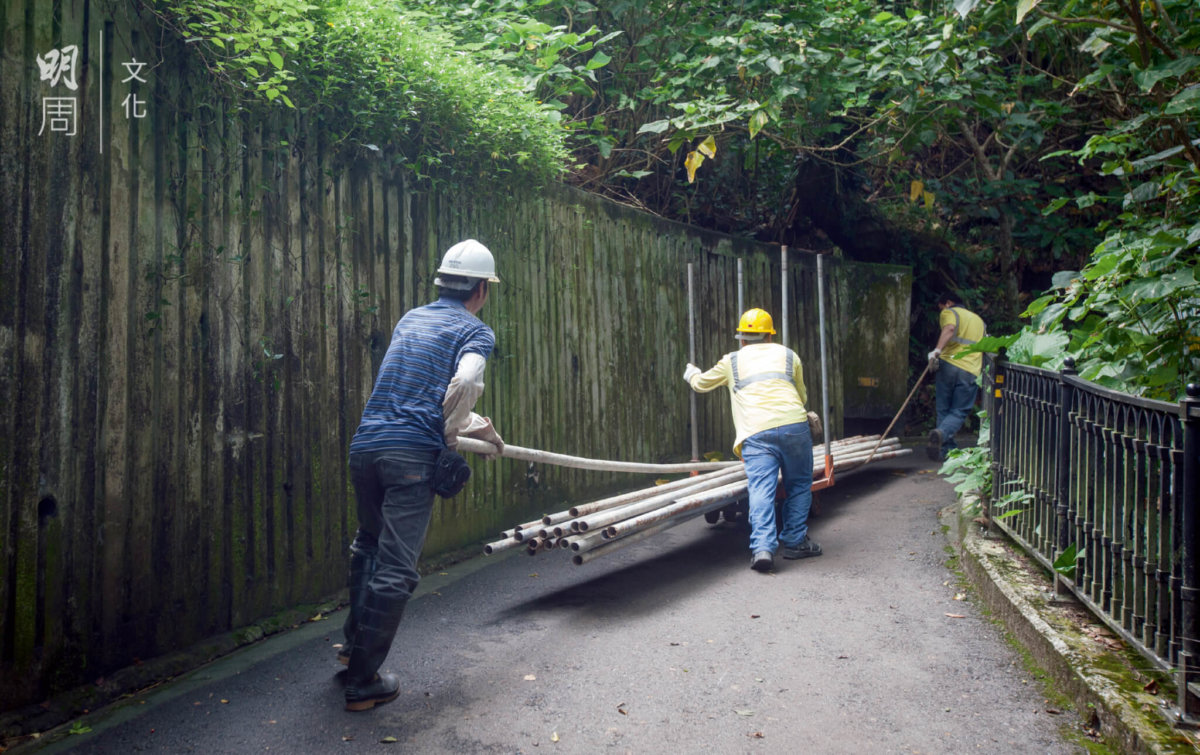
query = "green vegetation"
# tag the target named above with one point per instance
(1129, 316)
(985, 144)
(243, 45)
(378, 76)
(1044, 160)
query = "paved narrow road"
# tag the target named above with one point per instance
(673, 644)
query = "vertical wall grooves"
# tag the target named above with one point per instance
(163, 476)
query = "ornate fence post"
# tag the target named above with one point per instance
(1062, 492)
(997, 442)
(1188, 679)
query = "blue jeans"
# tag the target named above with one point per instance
(787, 449)
(956, 391)
(395, 502)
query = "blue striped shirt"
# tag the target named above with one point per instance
(405, 407)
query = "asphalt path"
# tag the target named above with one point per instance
(673, 644)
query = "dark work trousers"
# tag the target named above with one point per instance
(956, 391)
(395, 501)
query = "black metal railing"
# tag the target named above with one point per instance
(1116, 478)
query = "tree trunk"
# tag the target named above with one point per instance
(832, 201)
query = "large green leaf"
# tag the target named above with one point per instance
(1175, 69)
(1024, 7)
(1186, 101)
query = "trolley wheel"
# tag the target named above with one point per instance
(712, 517)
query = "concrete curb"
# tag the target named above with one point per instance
(1117, 692)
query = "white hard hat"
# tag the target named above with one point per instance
(467, 259)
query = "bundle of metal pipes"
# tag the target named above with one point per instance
(602, 526)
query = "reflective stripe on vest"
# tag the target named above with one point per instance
(955, 338)
(740, 383)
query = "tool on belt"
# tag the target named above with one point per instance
(450, 473)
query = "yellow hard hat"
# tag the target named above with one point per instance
(756, 321)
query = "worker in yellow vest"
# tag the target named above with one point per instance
(766, 388)
(957, 373)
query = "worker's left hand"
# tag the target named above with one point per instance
(488, 432)
(691, 372)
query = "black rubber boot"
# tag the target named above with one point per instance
(934, 448)
(365, 687)
(383, 688)
(362, 568)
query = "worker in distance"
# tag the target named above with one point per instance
(403, 454)
(766, 390)
(957, 373)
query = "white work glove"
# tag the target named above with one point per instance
(933, 359)
(814, 424)
(691, 372)
(481, 428)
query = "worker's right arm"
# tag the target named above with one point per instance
(465, 388)
(703, 382)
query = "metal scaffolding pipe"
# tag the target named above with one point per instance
(561, 516)
(863, 454)
(824, 359)
(636, 510)
(741, 289)
(862, 461)
(687, 503)
(501, 545)
(677, 518)
(518, 527)
(582, 558)
(861, 447)
(482, 447)
(692, 359)
(537, 545)
(857, 447)
(603, 518)
(637, 495)
(608, 516)
(640, 494)
(581, 543)
(726, 494)
(783, 295)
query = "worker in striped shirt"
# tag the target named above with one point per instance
(422, 401)
(957, 373)
(766, 389)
